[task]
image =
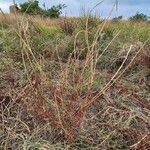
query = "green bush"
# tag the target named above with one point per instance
(54, 11)
(139, 17)
(33, 8)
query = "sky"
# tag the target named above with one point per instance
(126, 8)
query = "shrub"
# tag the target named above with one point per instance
(139, 17)
(33, 8)
(54, 11)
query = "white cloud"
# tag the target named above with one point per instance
(5, 6)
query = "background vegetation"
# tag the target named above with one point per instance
(33, 8)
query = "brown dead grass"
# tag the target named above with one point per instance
(39, 111)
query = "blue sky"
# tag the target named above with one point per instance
(126, 8)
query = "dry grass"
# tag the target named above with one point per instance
(61, 108)
(8, 19)
(50, 22)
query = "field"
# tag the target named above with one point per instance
(74, 83)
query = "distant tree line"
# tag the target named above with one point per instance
(137, 17)
(33, 8)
